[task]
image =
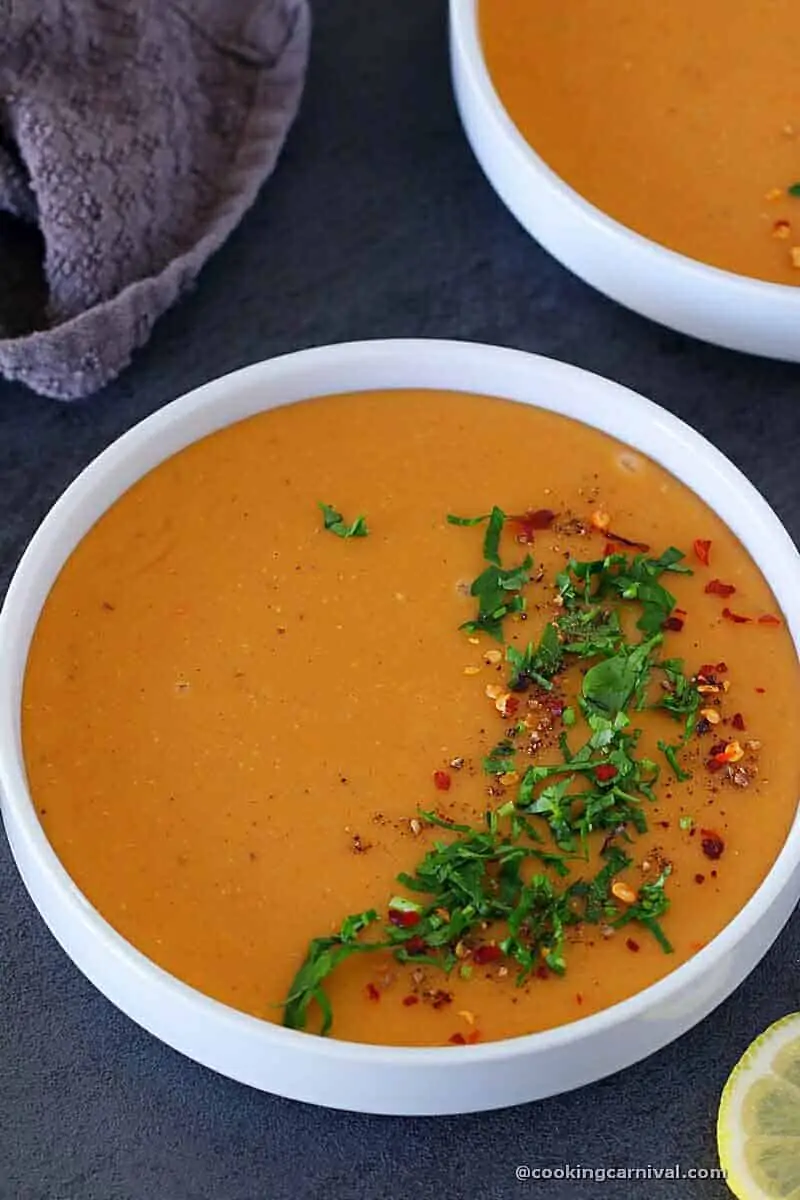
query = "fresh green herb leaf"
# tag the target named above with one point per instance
(671, 755)
(682, 699)
(651, 905)
(794, 189)
(590, 632)
(535, 666)
(491, 542)
(453, 520)
(334, 522)
(500, 758)
(609, 686)
(568, 716)
(323, 957)
(686, 822)
(498, 595)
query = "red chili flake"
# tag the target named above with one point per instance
(737, 721)
(486, 954)
(410, 999)
(761, 691)
(440, 997)
(769, 619)
(717, 748)
(699, 878)
(542, 972)
(556, 707)
(709, 670)
(533, 519)
(612, 548)
(702, 547)
(442, 781)
(617, 537)
(675, 624)
(632, 945)
(737, 618)
(457, 1039)
(372, 992)
(605, 772)
(540, 518)
(510, 707)
(717, 588)
(473, 1036)
(712, 844)
(415, 945)
(403, 918)
(578, 998)
(715, 764)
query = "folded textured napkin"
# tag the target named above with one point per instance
(134, 134)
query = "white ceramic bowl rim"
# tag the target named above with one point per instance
(422, 363)
(464, 17)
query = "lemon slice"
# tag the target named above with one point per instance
(758, 1128)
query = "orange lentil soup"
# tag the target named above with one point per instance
(680, 120)
(235, 720)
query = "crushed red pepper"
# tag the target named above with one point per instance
(715, 587)
(769, 619)
(605, 772)
(712, 844)
(737, 618)
(632, 944)
(702, 547)
(415, 945)
(410, 999)
(403, 918)
(528, 522)
(487, 953)
(675, 624)
(372, 992)
(457, 1039)
(737, 721)
(642, 547)
(442, 781)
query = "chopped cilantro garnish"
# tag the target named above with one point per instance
(334, 522)
(610, 685)
(794, 189)
(500, 758)
(535, 665)
(497, 888)
(670, 753)
(498, 594)
(652, 904)
(467, 521)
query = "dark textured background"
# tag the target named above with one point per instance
(377, 223)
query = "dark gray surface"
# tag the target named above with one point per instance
(377, 223)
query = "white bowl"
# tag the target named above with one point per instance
(692, 297)
(304, 1066)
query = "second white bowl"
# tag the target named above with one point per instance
(689, 296)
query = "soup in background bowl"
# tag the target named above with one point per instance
(653, 151)
(245, 709)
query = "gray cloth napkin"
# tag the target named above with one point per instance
(134, 134)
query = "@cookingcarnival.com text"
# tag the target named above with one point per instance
(599, 1174)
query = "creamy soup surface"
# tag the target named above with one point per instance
(233, 718)
(680, 120)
